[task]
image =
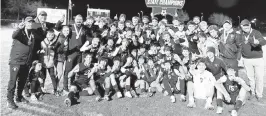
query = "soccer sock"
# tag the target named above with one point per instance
(128, 87)
(219, 102)
(107, 90)
(142, 90)
(116, 88)
(238, 105)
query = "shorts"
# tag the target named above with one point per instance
(233, 98)
(82, 82)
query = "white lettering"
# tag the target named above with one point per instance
(152, 1)
(171, 2)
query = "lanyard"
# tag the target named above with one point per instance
(226, 34)
(247, 37)
(77, 32)
(28, 36)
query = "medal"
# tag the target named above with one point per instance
(77, 32)
(247, 37)
(29, 37)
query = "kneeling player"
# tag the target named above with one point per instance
(202, 86)
(234, 92)
(80, 85)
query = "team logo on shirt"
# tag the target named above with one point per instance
(15, 68)
(69, 60)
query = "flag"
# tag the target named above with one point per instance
(69, 5)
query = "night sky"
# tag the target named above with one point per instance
(233, 8)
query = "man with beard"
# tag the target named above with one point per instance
(78, 38)
(252, 42)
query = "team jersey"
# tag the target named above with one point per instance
(201, 80)
(232, 87)
(84, 70)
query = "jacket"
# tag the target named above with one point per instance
(22, 49)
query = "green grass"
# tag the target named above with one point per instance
(158, 105)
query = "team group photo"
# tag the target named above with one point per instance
(169, 58)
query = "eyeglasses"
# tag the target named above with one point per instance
(43, 15)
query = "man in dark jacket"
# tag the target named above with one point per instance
(43, 26)
(230, 46)
(24, 39)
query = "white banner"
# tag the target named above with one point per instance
(53, 15)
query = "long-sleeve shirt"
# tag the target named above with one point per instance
(217, 67)
(249, 49)
(230, 46)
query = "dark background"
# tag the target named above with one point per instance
(244, 8)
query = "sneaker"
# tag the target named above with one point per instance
(11, 105)
(65, 92)
(191, 103)
(182, 98)
(128, 94)
(22, 99)
(134, 93)
(27, 94)
(151, 94)
(98, 98)
(209, 106)
(172, 99)
(119, 95)
(106, 97)
(56, 93)
(233, 113)
(67, 102)
(219, 110)
(33, 97)
(41, 97)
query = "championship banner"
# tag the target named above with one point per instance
(98, 12)
(54, 15)
(164, 7)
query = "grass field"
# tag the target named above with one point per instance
(155, 106)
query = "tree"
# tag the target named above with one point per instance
(33, 6)
(16, 6)
(24, 7)
(218, 19)
(182, 15)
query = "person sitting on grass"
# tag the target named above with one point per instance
(80, 85)
(36, 81)
(203, 85)
(234, 93)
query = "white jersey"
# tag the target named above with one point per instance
(202, 82)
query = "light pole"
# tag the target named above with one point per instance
(238, 20)
(71, 12)
(141, 14)
(201, 18)
(254, 21)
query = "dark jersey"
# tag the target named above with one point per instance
(232, 87)
(84, 70)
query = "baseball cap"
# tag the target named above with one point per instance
(211, 49)
(28, 19)
(43, 13)
(228, 21)
(245, 22)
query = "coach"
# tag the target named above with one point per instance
(230, 46)
(24, 39)
(252, 54)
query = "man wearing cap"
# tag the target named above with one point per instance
(230, 46)
(24, 39)
(45, 26)
(252, 42)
